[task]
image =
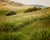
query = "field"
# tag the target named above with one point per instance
(33, 25)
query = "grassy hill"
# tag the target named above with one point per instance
(25, 26)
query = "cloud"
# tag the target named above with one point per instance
(41, 2)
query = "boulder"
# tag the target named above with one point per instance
(11, 13)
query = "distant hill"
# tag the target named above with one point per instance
(38, 5)
(11, 5)
(4, 2)
(17, 3)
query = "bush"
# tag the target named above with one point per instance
(32, 9)
(11, 13)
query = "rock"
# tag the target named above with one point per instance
(10, 13)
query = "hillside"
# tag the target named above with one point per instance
(10, 5)
(7, 6)
(11, 2)
(25, 26)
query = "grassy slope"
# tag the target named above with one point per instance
(28, 26)
(19, 9)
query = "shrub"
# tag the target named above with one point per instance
(31, 9)
(47, 7)
(11, 13)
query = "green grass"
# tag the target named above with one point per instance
(18, 25)
(41, 34)
(20, 10)
(3, 12)
(29, 26)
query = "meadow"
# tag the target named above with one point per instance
(34, 25)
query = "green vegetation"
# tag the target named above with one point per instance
(29, 26)
(11, 13)
(31, 9)
(3, 12)
(20, 11)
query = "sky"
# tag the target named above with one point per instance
(34, 2)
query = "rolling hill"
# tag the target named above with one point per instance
(26, 26)
(33, 25)
(11, 5)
